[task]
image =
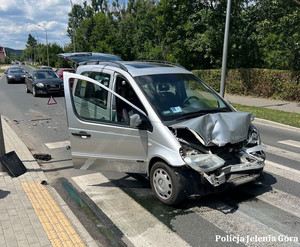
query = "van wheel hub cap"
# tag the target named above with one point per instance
(162, 183)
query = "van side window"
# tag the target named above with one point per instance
(124, 110)
(90, 100)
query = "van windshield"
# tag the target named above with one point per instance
(180, 96)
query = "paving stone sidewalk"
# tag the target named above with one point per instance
(32, 214)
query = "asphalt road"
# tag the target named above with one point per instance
(265, 214)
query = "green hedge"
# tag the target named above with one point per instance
(264, 83)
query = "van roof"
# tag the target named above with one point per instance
(135, 68)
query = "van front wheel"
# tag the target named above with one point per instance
(165, 184)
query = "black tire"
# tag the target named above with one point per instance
(166, 185)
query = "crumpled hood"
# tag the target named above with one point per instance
(218, 128)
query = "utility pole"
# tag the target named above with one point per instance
(225, 48)
(74, 42)
(46, 43)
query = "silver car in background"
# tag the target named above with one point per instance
(160, 120)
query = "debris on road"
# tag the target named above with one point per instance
(45, 157)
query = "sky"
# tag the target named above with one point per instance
(18, 18)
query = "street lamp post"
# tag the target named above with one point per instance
(225, 46)
(46, 43)
(74, 44)
(38, 49)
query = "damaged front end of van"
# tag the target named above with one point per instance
(220, 150)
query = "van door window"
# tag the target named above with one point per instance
(101, 92)
(90, 99)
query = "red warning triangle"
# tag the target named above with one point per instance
(51, 101)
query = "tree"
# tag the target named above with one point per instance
(30, 50)
(100, 6)
(279, 34)
(263, 33)
(31, 41)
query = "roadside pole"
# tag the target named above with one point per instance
(2, 148)
(225, 48)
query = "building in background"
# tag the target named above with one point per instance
(2, 54)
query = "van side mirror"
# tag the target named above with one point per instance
(135, 120)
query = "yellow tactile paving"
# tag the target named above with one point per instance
(58, 228)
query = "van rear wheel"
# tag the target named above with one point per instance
(165, 184)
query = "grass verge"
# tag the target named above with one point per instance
(288, 118)
(2, 70)
(35, 66)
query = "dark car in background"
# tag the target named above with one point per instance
(43, 82)
(15, 74)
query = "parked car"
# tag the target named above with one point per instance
(43, 81)
(15, 74)
(160, 120)
(60, 71)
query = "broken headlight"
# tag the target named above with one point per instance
(253, 137)
(204, 162)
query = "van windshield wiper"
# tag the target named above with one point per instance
(188, 115)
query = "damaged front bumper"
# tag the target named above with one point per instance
(213, 169)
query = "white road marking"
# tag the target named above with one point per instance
(283, 171)
(281, 200)
(237, 223)
(291, 143)
(139, 226)
(53, 145)
(283, 153)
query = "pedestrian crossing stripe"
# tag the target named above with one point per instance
(282, 171)
(54, 145)
(283, 153)
(290, 143)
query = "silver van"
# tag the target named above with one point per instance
(160, 120)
